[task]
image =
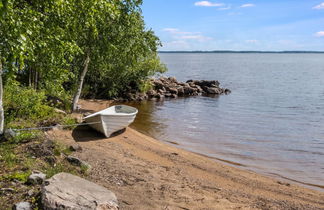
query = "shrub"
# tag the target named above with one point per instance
(25, 103)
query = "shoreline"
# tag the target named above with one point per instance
(241, 166)
(146, 173)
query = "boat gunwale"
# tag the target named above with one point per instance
(113, 114)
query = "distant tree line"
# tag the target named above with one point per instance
(66, 48)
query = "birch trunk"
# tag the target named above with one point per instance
(1, 104)
(78, 92)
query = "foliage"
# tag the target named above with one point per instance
(69, 121)
(44, 45)
(26, 136)
(26, 103)
(18, 175)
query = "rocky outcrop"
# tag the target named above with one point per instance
(170, 88)
(66, 191)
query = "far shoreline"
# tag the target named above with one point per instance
(247, 52)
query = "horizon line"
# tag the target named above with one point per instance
(239, 51)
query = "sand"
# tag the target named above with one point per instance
(146, 173)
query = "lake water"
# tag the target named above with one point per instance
(272, 122)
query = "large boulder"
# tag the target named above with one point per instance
(66, 191)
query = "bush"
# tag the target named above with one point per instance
(25, 103)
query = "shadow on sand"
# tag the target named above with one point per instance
(84, 133)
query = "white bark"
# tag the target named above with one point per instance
(82, 76)
(1, 104)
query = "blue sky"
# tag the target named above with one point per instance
(237, 24)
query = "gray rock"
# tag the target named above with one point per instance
(227, 91)
(158, 84)
(180, 91)
(77, 162)
(151, 93)
(168, 95)
(173, 91)
(173, 79)
(212, 90)
(22, 206)
(66, 191)
(159, 96)
(36, 178)
(75, 147)
(188, 90)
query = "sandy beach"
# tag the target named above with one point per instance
(148, 174)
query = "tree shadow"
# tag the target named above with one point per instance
(84, 133)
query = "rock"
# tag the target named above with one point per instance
(161, 91)
(173, 91)
(212, 90)
(192, 84)
(22, 206)
(158, 84)
(227, 91)
(50, 159)
(6, 190)
(75, 148)
(66, 191)
(168, 95)
(63, 112)
(30, 192)
(159, 96)
(77, 162)
(199, 89)
(173, 80)
(180, 91)
(174, 96)
(36, 178)
(151, 93)
(206, 83)
(188, 90)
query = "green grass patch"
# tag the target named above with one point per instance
(21, 176)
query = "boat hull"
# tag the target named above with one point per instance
(109, 123)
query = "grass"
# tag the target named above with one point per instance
(18, 161)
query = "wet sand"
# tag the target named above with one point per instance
(149, 174)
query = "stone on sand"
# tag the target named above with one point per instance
(66, 191)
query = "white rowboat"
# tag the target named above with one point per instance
(112, 119)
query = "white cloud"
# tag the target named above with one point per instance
(176, 31)
(179, 35)
(200, 38)
(225, 8)
(320, 6)
(171, 30)
(320, 34)
(176, 45)
(247, 5)
(252, 41)
(208, 4)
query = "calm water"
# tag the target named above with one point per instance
(272, 122)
